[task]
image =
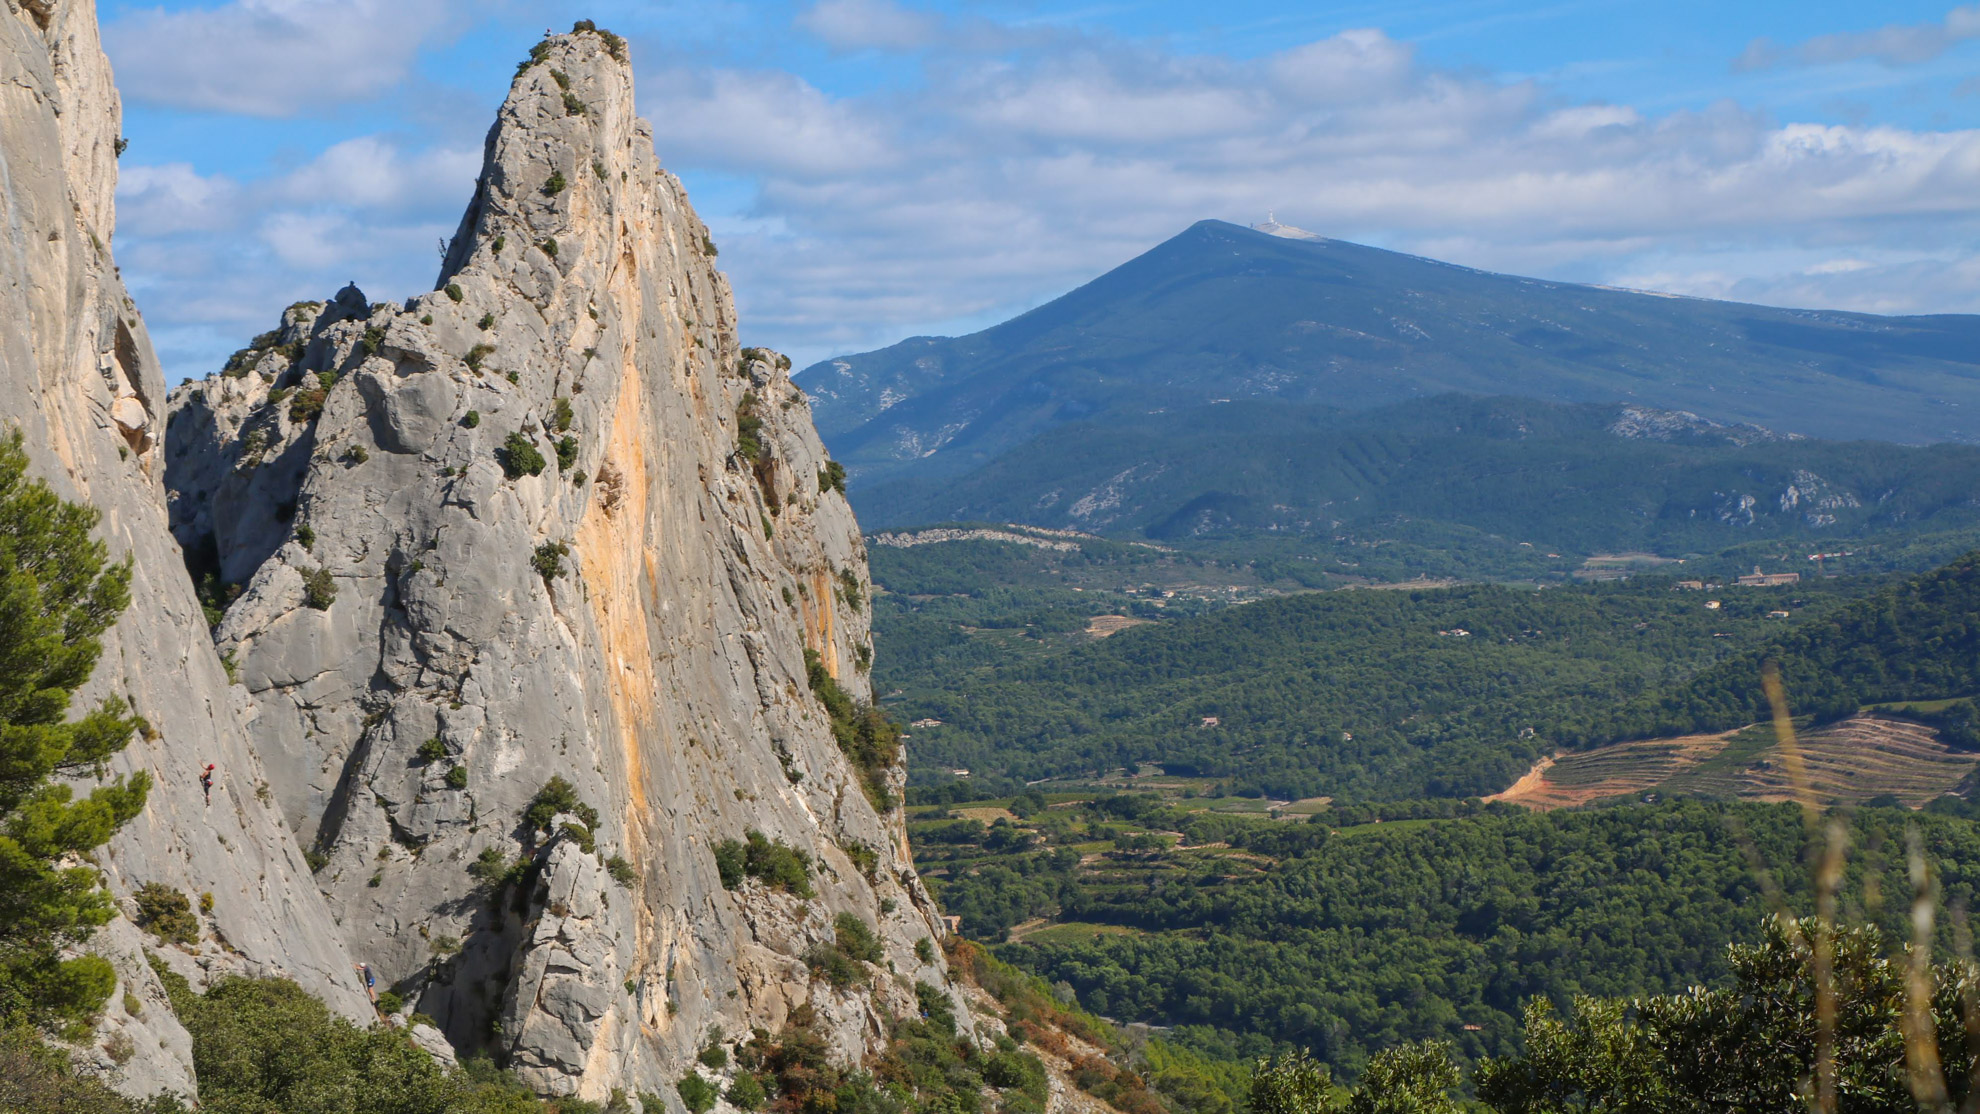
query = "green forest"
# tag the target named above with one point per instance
(1558, 476)
(1917, 639)
(1367, 695)
(1251, 936)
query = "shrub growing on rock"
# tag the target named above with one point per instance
(772, 862)
(520, 457)
(557, 796)
(166, 913)
(697, 1094)
(548, 560)
(319, 588)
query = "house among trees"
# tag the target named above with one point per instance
(1760, 579)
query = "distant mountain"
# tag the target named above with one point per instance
(1227, 313)
(1586, 477)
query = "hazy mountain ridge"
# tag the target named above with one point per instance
(1587, 476)
(1226, 313)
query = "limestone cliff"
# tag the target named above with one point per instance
(78, 378)
(551, 520)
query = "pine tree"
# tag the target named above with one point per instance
(58, 593)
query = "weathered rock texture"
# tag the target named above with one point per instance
(78, 377)
(431, 624)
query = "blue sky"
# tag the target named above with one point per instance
(874, 169)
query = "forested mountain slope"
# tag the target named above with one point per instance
(1223, 312)
(1583, 477)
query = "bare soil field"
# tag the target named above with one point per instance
(1849, 761)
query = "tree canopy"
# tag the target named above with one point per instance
(59, 592)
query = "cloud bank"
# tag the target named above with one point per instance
(1014, 162)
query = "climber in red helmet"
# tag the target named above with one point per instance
(206, 782)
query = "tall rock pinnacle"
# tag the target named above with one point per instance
(550, 521)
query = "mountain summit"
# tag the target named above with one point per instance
(1222, 312)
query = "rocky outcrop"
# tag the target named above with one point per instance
(550, 520)
(78, 378)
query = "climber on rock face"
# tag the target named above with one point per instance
(206, 782)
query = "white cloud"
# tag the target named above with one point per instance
(370, 172)
(1016, 174)
(1354, 65)
(271, 57)
(1892, 45)
(851, 25)
(173, 198)
(760, 121)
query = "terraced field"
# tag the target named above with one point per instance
(1850, 761)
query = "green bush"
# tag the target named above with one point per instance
(870, 740)
(834, 966)
(865, 858)
(454, 291)
(491, 870)
(486, 323)
(556, 797)
(772, 862)
(697, 1093)
(856, 939)
(374, 337)
(567, 452)
(519, 457)
(306, 404)
(714, 1056)
(746, 1093)
(390, 1002)
(471, 419)
(319, 588)
(457, 777)
(581, 835)
(264, 1046)
(478, 353)
(622, 872)
(562, 416)
(548, 245)
(548, 561)
(850, 591)
(555, 184)
(37, 1079)
(166, 913)
(832, 477)
(432, 750)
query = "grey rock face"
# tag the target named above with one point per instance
(78, 377)
(551, 520)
